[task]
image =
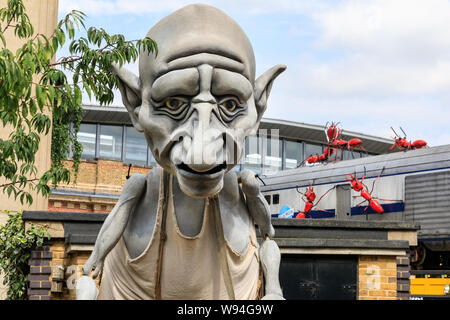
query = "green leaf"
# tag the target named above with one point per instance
(3, 39)
(51, 94)
(33, 107)
(70, 29)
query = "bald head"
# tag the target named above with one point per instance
(198, 33)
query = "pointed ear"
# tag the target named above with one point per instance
(263, 85)
(130, 89)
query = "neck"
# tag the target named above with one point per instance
(188, 211)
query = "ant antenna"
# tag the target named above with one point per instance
(395, 133)
(403, 131)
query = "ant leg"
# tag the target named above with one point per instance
(373, 183)
(299, 191)
(365, 209)
(324, 195)
(390, 200)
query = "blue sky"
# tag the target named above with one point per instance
(370, 64)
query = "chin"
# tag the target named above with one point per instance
(198, 184)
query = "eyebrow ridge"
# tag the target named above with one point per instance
(186, 54)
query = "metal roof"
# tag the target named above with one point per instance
(288, 129)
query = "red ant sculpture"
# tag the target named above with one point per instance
(359, 186)
(333, 133)
(310, 196)
(327, 152)
(403, 144)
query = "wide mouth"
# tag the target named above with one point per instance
(212, 171)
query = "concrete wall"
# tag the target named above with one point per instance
(43, 15)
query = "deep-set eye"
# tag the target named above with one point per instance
(230, 108)
(175, 103)
(229, 104)
(175, 107)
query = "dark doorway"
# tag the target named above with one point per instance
(318, 277)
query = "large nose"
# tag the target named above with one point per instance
(203, 147)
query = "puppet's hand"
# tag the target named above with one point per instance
(250, 184)
(93, 262)
(257, 205)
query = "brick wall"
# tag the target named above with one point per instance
(75, 264)
(403, 282)
(102, 178)
(72, 264)
(80, 205)
(40, 271)
(59, 258)
(377, 278)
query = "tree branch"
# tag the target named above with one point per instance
(10, 20)
(13, 183)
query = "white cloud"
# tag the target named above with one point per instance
(358, 74)
(386, 26)
(400, 47)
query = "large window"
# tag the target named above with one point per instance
(114, 142)
(87, 137)
(136, 149)
(312, 149)
(252, 157)
(273, 156)
(111, 142)
(294, 154)
(152, 159)
(348, 155)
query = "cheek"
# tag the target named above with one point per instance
(242, 127)
(176, 154)
(150, 123)
(247, 121)
(157, 128)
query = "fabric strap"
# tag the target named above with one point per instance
(163, 236)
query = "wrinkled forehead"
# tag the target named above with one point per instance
(195, 35)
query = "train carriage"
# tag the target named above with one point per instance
(412, 186)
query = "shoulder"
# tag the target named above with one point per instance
(231, 190)
(137, 182)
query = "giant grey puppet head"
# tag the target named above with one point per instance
(197, 100)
